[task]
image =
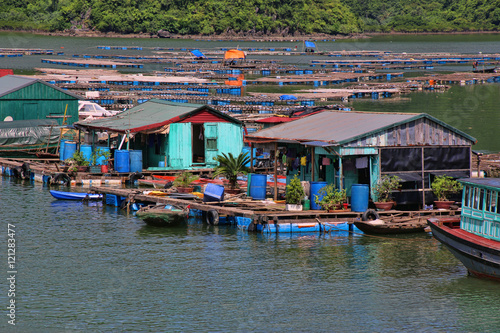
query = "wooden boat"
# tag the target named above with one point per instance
(163, 215)
(61, 195)
(475, 241)
(397, 223)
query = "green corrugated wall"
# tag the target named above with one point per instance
(37, 101)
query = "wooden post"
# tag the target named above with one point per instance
(251, 157)
(275, 171)
(312, 164)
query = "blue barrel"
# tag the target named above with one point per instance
(161, 164)
(258, 184)
(86, 151)
(101, 160)
(315, 187)
(359, 197)
(61, 150)
(122, 161)
(69, 149)
(135, 160)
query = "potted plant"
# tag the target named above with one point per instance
(95, 156)
(231, 167)
(442, 187)
(383, 191)
(330, 198)
(78, 162)
(183, 181)
(294, 194)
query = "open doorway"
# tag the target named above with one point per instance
(198, 142)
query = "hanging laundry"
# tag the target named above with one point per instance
(326, 161)
(362, 162)
(303, 160)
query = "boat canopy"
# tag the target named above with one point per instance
(234, 54)
(26, 133)
(309, 44)
(197, 53)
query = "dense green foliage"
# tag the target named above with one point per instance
(251, 16)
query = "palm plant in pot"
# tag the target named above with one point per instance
(294, 194)
(183, 181)
(442, 187)
(231, 167)
(383, 191)
(77, 163)
(330, 198)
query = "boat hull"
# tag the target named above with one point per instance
(479, 255)
(390, 228)
(161, 217)
(61, 195)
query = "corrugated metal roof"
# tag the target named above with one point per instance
(149, 115)
(11, 83)
(341, 126)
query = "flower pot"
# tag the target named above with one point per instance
(384, 205)
(292, 208)
(232, 190)
(82, 168)
(95, 169)
(185, 189)
(443, 204)
(104, 168)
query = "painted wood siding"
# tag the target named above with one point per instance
(230, 138)
(37, 101)
(422, 132)
(179, 145)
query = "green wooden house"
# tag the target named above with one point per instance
(23, 98)
(171, 135)
(347, 147)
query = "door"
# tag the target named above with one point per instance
(211, 150)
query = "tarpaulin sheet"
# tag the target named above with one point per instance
(234, 54)
(197, 53)
(25, 133)
(288, 97)
(309, 44)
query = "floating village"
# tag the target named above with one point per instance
(190, 140)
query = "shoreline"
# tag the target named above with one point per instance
(240, 36)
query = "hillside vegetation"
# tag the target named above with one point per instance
(251, 17)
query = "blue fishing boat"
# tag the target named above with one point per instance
(62, 195)
(474, 237)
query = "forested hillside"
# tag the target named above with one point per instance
(257, 17)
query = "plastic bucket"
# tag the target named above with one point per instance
(122, 161)
(359, 197)
(69, 149)
(135, 160)
(161, 164)
(258, 186)
(315, 187)
(86, 151)
(61, 150)
(101, 160)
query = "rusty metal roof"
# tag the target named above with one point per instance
(339, 126)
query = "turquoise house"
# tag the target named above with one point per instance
(171, 136)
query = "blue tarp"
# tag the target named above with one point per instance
(310, 44)
(197, 54)
(287, 97)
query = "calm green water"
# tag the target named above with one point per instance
(94, 269)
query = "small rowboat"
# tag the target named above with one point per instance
(163, 215)
(61, 195)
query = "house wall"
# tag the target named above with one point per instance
(37, 101)
(421, 132)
